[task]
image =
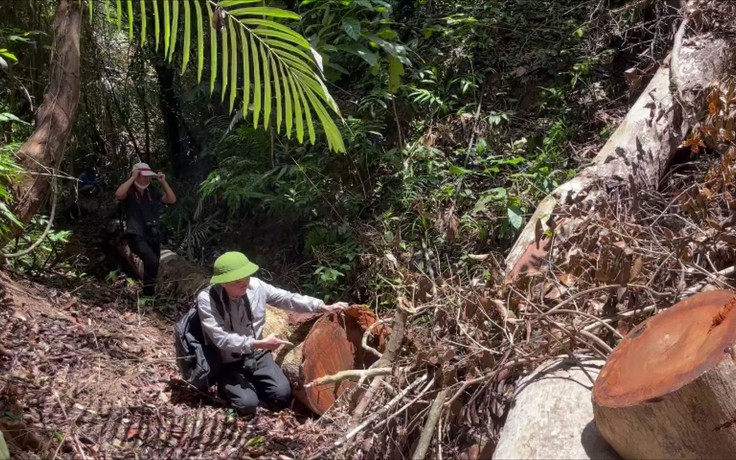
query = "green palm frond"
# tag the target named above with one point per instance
(253, 55)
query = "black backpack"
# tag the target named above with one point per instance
(199, 361)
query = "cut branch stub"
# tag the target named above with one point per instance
(669, 388)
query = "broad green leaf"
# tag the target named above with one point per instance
(515, 217)
(174, 28)
(213, 50)
(157, 25)
(143, 22)
(9, 55)
(233, 66)
(256, 82)
(277, 89)
(246, 72)
(167, 27)
(361, 51)
(334, 138)
(265, 11)
(187, 36)
(131, 17)
(225, 60)
(120, 14)
(351, 26)
(200, 41)
(395, 71)
(266, 87)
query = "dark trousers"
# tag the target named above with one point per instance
(149, 251)
(247, 382)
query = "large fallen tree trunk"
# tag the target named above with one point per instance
(637, 154)
(669, 388)
(42, 153)
(324, 344)
(552, 416)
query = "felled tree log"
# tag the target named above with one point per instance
(669, 388)
(552, 416)
(324, 344)
(637, 154)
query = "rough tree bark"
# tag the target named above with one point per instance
(42, 153)
(637, 154)
(552, 416)
(669, 388)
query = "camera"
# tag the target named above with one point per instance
(153, 229)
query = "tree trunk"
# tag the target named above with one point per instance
(637, 154)
(669, 388)
(552, 416)
(169, 110)
(42, 153)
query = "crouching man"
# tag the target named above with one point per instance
(248, 374)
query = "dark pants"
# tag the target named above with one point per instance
(245, 383)
(149, 251)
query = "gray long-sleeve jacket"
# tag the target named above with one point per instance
(234, 335)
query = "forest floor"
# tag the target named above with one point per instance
(86, 374)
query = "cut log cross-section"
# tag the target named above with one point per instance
(669, 388)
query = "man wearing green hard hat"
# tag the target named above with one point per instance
(248, 374)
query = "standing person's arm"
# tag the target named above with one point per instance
(169, 196)
(122, 191)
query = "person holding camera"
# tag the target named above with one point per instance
(232, 312)
(142, 205)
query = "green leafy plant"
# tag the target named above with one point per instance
(280, 71)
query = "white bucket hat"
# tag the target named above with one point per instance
(144, 169)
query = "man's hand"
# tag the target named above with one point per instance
(270, 343)
(136, 174)
(161, 177)
(337, 306)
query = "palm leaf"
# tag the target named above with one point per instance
(187, 36)
(130, 19)
(167, 27)
(256, 82)
(143, 22)
(157, 29)
(278, 66)
(246, 72)
(174, 28)
(233, 66)
(225, 61)
(200, 41)
(213, 49)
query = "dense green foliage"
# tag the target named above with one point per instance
(458, 116)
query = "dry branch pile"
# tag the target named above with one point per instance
(636, 252)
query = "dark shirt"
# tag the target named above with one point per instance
(142, 208)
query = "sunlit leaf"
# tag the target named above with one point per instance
(213, 49)
(277, 89)
(246, 72)
(167, 27)
(157, 28)
(174, 28)
(351, 26)
(143, 22)
(256, 82)
(187, 35)
(200, 41)
(225, 61)
(131, 17)
(233, 67)
(265, 11)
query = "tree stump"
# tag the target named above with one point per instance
(552, 416)
(669, 388)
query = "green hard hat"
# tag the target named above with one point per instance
(232, 266)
